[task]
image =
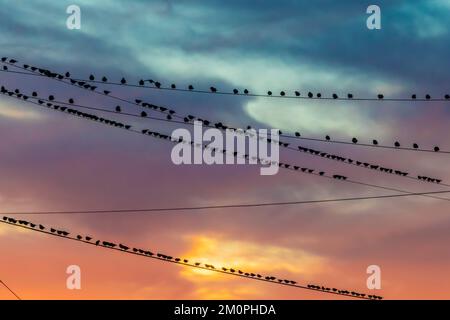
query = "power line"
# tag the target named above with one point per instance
(4, 284)
(61, 78)
(180, 261)
(308, 151)
(283, 93)
(225, 206)
(167, 137)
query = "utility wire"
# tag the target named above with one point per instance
(296, 136)
(225, 206)
(4, 284)
(179, 262)
(316, 153)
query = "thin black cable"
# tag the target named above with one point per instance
(10, 290)
(225, 206)
(180, 262)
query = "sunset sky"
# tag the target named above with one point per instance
(52, 161)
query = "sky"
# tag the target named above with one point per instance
(51, 161)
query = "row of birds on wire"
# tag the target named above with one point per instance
(75, 112)
(183, 261)
(249, 131)
(213, 89)
(170, 113)
(166, 137)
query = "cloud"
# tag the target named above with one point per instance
(245, 256)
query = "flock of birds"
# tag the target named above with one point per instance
(213, 89)
(165, 257)
(155, 134)
(83, 83)
(249, 131)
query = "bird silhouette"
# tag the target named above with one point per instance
(123, 81)
(335, 96)
(415, 146)
(354, 140)
(269, 93)
(173, 86)
(375, 142)
(213, 89)
(282, 93)
(327, 137)
(428, 97)
(118, 109)
(414, 96)
(246, 91)
(380, 96)
(397, 144)
(436, 149)
(350, 96)
(91, 77)
(191, 87)
(310, 94)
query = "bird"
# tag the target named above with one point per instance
(354, 140)
(350, 96)
(51, 98)
(335, 96)
(269, 93)
(191, 87)
(123, 81)
(123, 247)
(447, 96)
(310, 95)
(246, 91)
(428, 97)
(282, 93)
(141, 82)
(415, 146)
(436, 149)
(380, 96)
(297, 93)
(213, 89)
(319, 95)
(91, 77)
(143, 114)
(375, 142)
(71, 101)
(327, 137)
(118, 109)
(79, 237)
(88, 238)
(414, 96)
(297, 134)
(41, 227)
(397, 144)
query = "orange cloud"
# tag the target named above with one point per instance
(248, 257)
